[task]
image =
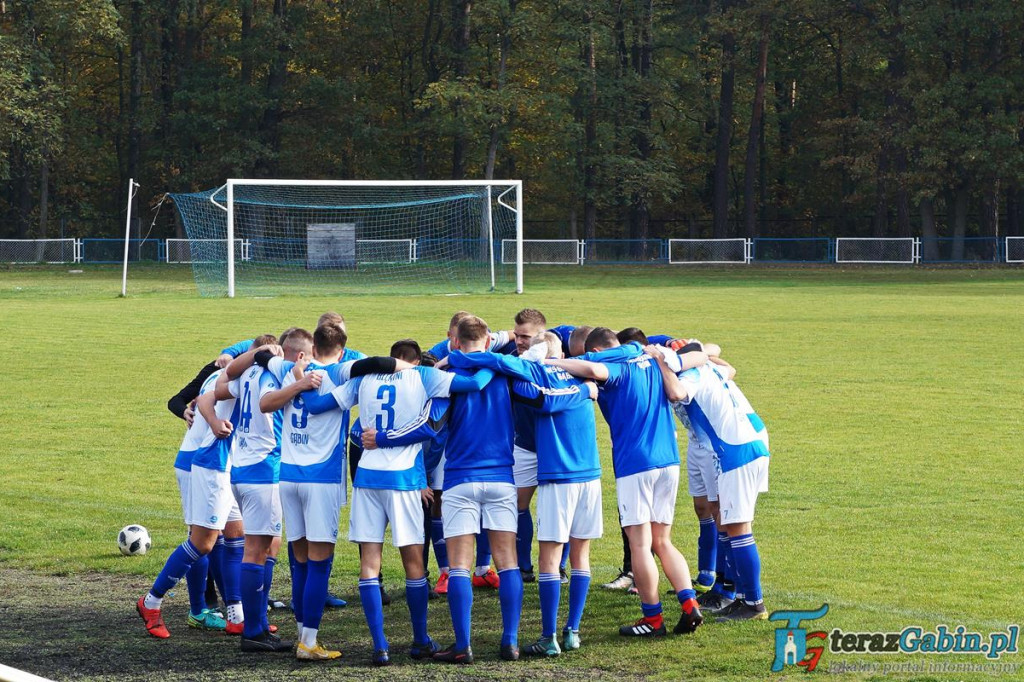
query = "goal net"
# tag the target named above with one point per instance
(27, 251)
(1015, 249)
(316, 237)
(877, 250)
(543, 252)
(710, 251)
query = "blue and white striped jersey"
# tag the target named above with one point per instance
(257, 450)
(200, 446)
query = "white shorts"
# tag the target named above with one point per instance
(184, 489)
(466, 505)
(649, 496)
(372, 509)
(436, 477)
(524, 470)
(569, 510)
(738, 489)
(311, 510)
(211, 504)
(702, 471)
(261, 507)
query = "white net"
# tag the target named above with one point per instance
(876, 250)
(543, 252)
(713, 251)
(27, 251)
(1015, 249)
(294, 237)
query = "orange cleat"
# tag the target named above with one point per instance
(154, 621)
(489, 579)
(442, 584)
(234, 628)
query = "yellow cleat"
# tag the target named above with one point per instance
(317, 653)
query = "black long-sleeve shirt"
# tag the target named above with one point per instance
(182, 398)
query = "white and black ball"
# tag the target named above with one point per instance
(133, 540)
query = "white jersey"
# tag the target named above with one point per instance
(386, 401)
(200, 446)
(312, 445)
(257, 451)
(720, 414)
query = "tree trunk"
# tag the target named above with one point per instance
(44, 196)
(929, 233)
(1013, 211)
(754, 135)
(270, 123)
(498, 128)
(959, 222)
(461, 10)
(720, 208)
(640, 214)
(590, 132)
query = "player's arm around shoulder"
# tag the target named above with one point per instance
(275, 400)
(675, 390)
(584, 369)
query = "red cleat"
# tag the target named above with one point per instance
(154, 621)
(488, 579)
(271, 628)
(233, 628)
(442, 584)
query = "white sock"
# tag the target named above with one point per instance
(309, 637)
(481, 570)
(152, 602)
(235, 613)
(443, 570)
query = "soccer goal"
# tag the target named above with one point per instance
(340, 236)
(879, 250)
(708, 251)
(543, 252)
(34, 251)
(1015, 249)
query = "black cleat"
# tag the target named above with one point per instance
(453, 655)
(741, 610)
(381, 658)
(528, 576)
(689, 622)
(509, 652)
(265, 642)
(420, 651)
(713, 602)
(385, 598)
(643, 628)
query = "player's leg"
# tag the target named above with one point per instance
(298, 554)
(587, 525)
(483, 574)
(321, 506)
(624, 580)
(663, 502)
(499, 516)
(738, 497)
(198, 573)
(460, 511)
(231, 570)
(635, 496)
(555, 515)
(438, 541)
(524, 472)
(261, 514)
(199, 543)
(701, 478)
(368, 518)
(406, 517)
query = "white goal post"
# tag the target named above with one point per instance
(1015, 249)
(542, 251)
(878, 250)
(709, 251)
(494, 195)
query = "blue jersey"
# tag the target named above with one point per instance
(236, 349)
(442, 349)
(480, 436)
(639, 416)
(566, 431)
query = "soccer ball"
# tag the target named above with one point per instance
(133, 540)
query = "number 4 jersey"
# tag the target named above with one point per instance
(257, 453)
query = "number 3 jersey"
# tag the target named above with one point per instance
(387, 401)
(257, 449)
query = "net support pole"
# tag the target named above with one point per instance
(231, 238)
(490, 234)
(519, 237)
(127, 237)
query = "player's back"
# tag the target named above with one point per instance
(567, 439)
(721, 414)
(257, 449)
(480, 436)
(205, 449)
(312, 445)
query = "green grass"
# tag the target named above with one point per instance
(893, 398)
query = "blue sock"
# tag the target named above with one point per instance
(748, 567)
(268, 578)
(252, 599)
(299, 570)
(216, 566)
(460, 604)
(524, 540)
(197, 584)
(483, 548)
(651, 610)
(417, 593)
(724, 568)
(437, 539)
(313, 597)
(707, 552)
(550, 587)
(510, 596)
(369, 594)
(231, 569)
(565, 556)
(579, 586)
(685, 595)
(177, 565)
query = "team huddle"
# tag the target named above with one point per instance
(449, 449)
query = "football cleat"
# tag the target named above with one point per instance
(545, 646)
(488, 579)
(644, 627)
(570, 639)
(528, 576)
(265, 642)
(453, 655)
(442, 584)
(623, 581)
(741, 610)
(563, 576)
(713, 602)
(381, 657)
(699, 588)
(234, 628)
(206, 620)
(385, 598)
(420, 651)
(153, 620)
(333, 601)
(509, 652)
(689, 622)
(632, 589)
(317, 653)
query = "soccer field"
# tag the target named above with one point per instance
(893, 399)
